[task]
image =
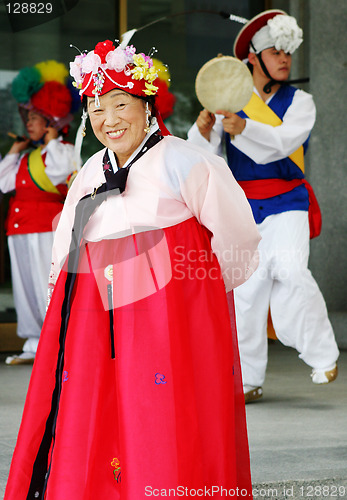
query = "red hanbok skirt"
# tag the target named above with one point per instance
(166, 416)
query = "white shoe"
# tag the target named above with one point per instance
(252, 393)
(26, 358)
(324, 375)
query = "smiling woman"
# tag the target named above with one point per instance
(137, 379)
(119, 122)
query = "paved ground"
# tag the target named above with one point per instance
(297, 432)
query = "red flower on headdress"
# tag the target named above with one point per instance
(103, 48)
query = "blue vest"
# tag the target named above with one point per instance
(245, 169)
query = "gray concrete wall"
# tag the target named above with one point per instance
(328, 161)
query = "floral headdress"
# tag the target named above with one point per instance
(106, 67)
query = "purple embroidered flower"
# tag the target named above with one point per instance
(160, 379)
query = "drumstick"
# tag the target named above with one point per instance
(16, 137)
(20, 138)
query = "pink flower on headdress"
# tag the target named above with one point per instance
(147, 59)
(117, 59)
(76, 68)
(91, 63)
(130, 51)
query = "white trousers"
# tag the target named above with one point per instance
(284, 283)
(31, 256)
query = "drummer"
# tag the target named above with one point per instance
(265, 145)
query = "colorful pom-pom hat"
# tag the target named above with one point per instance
(164, 100)
(46, 89)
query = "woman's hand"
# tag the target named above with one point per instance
(205, 122)
(233, 124)
(51, 133)
(19, 146)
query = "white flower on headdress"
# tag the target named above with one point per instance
(76, 69)
(117, 59)
(285, 32)
(91, 63)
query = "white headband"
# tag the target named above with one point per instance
(281, 32)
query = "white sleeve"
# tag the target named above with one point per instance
(214, 145)
(264, 143)
(59, 161)
(8, 171)
(221, 206)
(64, 223)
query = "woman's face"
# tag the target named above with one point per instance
(36, 126)
(119, 122)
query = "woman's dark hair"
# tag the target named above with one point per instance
(84, 103)
(150, 99)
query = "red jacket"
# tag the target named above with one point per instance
(32, 210)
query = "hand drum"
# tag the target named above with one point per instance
(225, 83)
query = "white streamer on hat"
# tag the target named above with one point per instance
(126, 37)
(77, 162)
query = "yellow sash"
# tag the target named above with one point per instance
(258, 111)
(37, 172)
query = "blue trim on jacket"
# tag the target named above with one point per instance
(245, 169)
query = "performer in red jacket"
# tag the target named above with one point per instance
(38, 178)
